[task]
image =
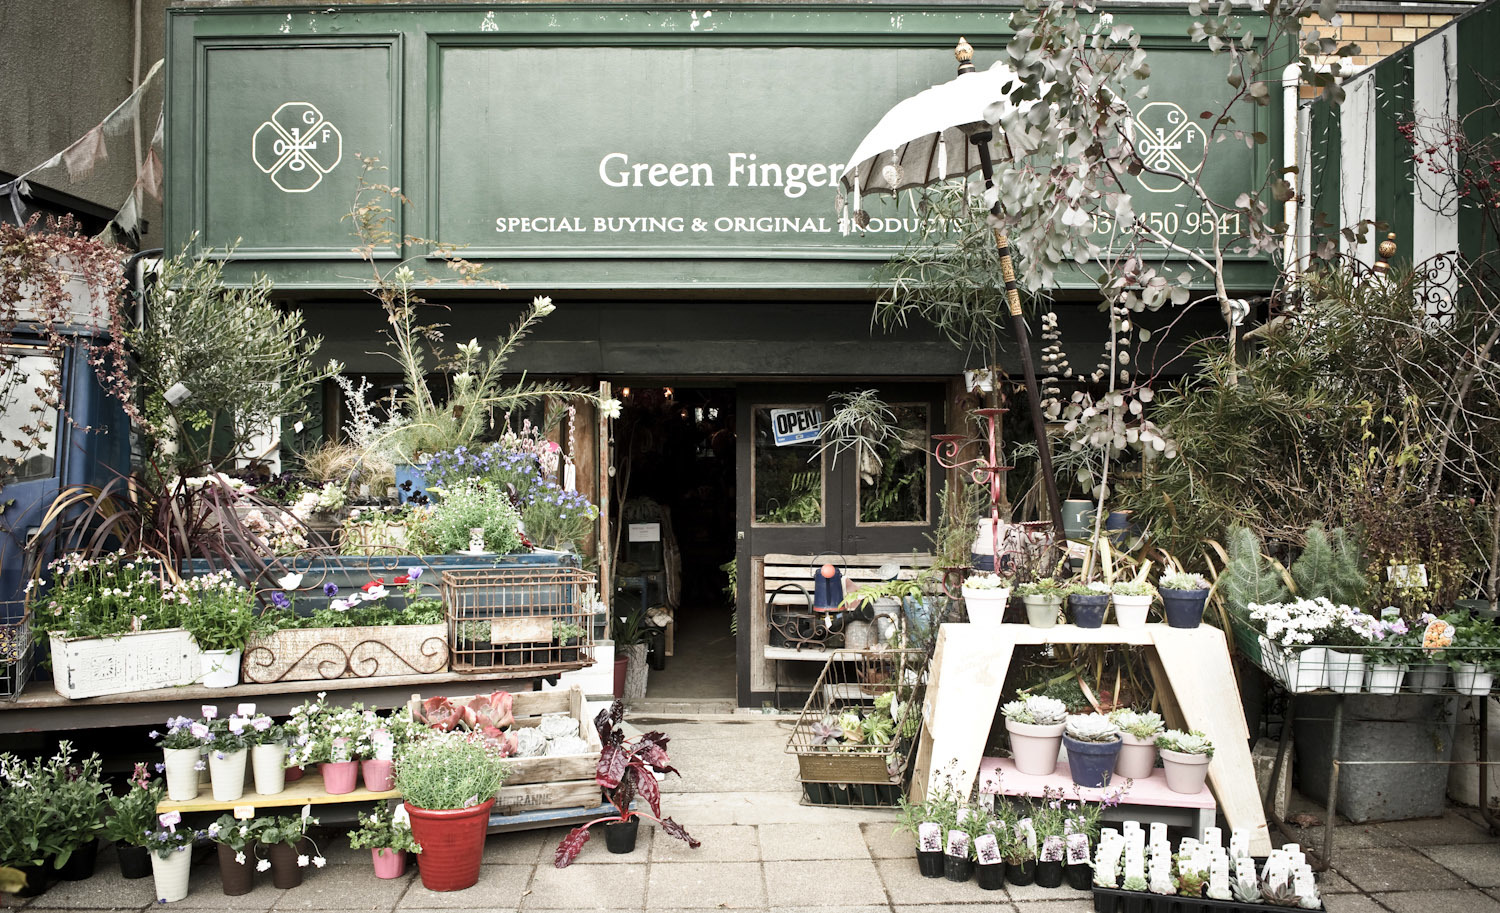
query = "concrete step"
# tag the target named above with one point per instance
(680, 706)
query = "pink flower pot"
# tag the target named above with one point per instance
(339, 777)
(389, 863)
(379, 775)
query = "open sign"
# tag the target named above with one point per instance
(794, 426)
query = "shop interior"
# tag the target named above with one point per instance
(674, 529)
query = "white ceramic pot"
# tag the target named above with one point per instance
(1042, 611)
(227, 773)
(1472, 679)
(1384, 678)
(221, 668)
(182, 773)
(986, 607)
(1185, 772)
(1428, 678)
(1137, 757)
(269, 764)
(1307, 670)
(1034, 747)
(171, 874)
(1346, 671)
(1132, 611)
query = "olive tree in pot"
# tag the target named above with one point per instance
(626, 771)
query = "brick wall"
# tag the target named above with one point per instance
(1380, 32)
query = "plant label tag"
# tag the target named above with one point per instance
(400, 815)
(1052, 849)
(930, 837)
(987, 848)
(1389, 612)
(1078, 849)
(526, 629)
(244, 812)
(1026, 832)
(471, 801)
(1410, 576)
(1158, 833)
(958, 843)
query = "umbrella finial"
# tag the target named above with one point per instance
(964, 54)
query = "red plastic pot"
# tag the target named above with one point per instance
(452, 842)
(620, 662)
(293, 774)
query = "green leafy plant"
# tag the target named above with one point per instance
(102, 597)
(132, 813)
(218, 611)
(450, 770)
(234, 833)
(468, 505)
(382, 830)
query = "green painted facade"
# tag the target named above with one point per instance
(578, 147)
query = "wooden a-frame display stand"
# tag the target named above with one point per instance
(1193, 678)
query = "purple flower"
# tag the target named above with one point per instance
(330, 590)
(161, 768)
(414, 574)
(153, 734)
(279, 600)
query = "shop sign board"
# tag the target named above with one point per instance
(796, 426)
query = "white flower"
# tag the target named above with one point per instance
(471, 348)
(375, 592)
(319, 861)
(262, 865)
(610, 408)
(302, 862)
(543, 305)
(239, 858)
(290, 581)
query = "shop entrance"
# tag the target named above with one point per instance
(674, 489)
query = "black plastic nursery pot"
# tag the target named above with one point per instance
(1118, 900)
(1021, 873)
(1049, 874)
(1183, 608)
(135, 861)
(991, 877)
(1088, 611)
(957, 868)
(38, 880)
(619, 836)
(1080, 876)
(1092, 763)
(930, 863)
(515, 656)
(80, 864)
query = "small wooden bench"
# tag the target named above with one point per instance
(1145, 800)
(772, 571)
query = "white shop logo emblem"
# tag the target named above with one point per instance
(1168, 140)
(296, 147)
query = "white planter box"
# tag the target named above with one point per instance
(94, 666)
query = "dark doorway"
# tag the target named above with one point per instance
(674, 486)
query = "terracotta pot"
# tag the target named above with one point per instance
(389, 863)
(452, 842)
(285, 873)
(236, 877)
(339, 777)
(378, 775)
(622, 663)
(1034, 747)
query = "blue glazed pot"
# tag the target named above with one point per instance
(1183, 608)
(1091, 763)
(411, 480)
(1088, 611)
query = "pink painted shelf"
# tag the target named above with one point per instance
(999, 776)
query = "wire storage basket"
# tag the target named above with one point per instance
(15, 649)
(857, 733)
(520, 619)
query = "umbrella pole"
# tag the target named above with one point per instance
(1023, 340)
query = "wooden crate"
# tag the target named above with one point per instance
(311, 654)
(548, 782)
(143, 661)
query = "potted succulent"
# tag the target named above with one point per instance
(1183, 597)
(1035, 724)
(234, 840)
(1093, 744)
(1138, 732)
(228, 750)
(1089, 602)
(131, 817)
(171, 856)
(386, 832)
(448, 780)
(986, 597)
(1185, 755)
(1043, 598)
(474, 644)
(1132, 599)
(220, 615)
(286, 844)
(625, 767)
(267, 743)
(565, 638)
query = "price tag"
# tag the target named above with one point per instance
(243, 812)
(958, 843)
(930, 837)
(1078, 849)
(1052, 849)
(988, 849)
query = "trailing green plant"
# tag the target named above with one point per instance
(235, 833)
(383, 829)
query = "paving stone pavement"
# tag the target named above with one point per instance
(764, 851)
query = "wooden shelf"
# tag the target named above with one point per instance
(306, 791)
(1151, 791)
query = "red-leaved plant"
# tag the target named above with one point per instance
(626, 770)
(487, 714)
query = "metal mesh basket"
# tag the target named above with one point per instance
(15, 649)
(528, 619)
(844, 737)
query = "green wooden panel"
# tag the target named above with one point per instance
(1393, 166)
(1478, 72)
(604, 146)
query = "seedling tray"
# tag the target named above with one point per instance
(1118, 900)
